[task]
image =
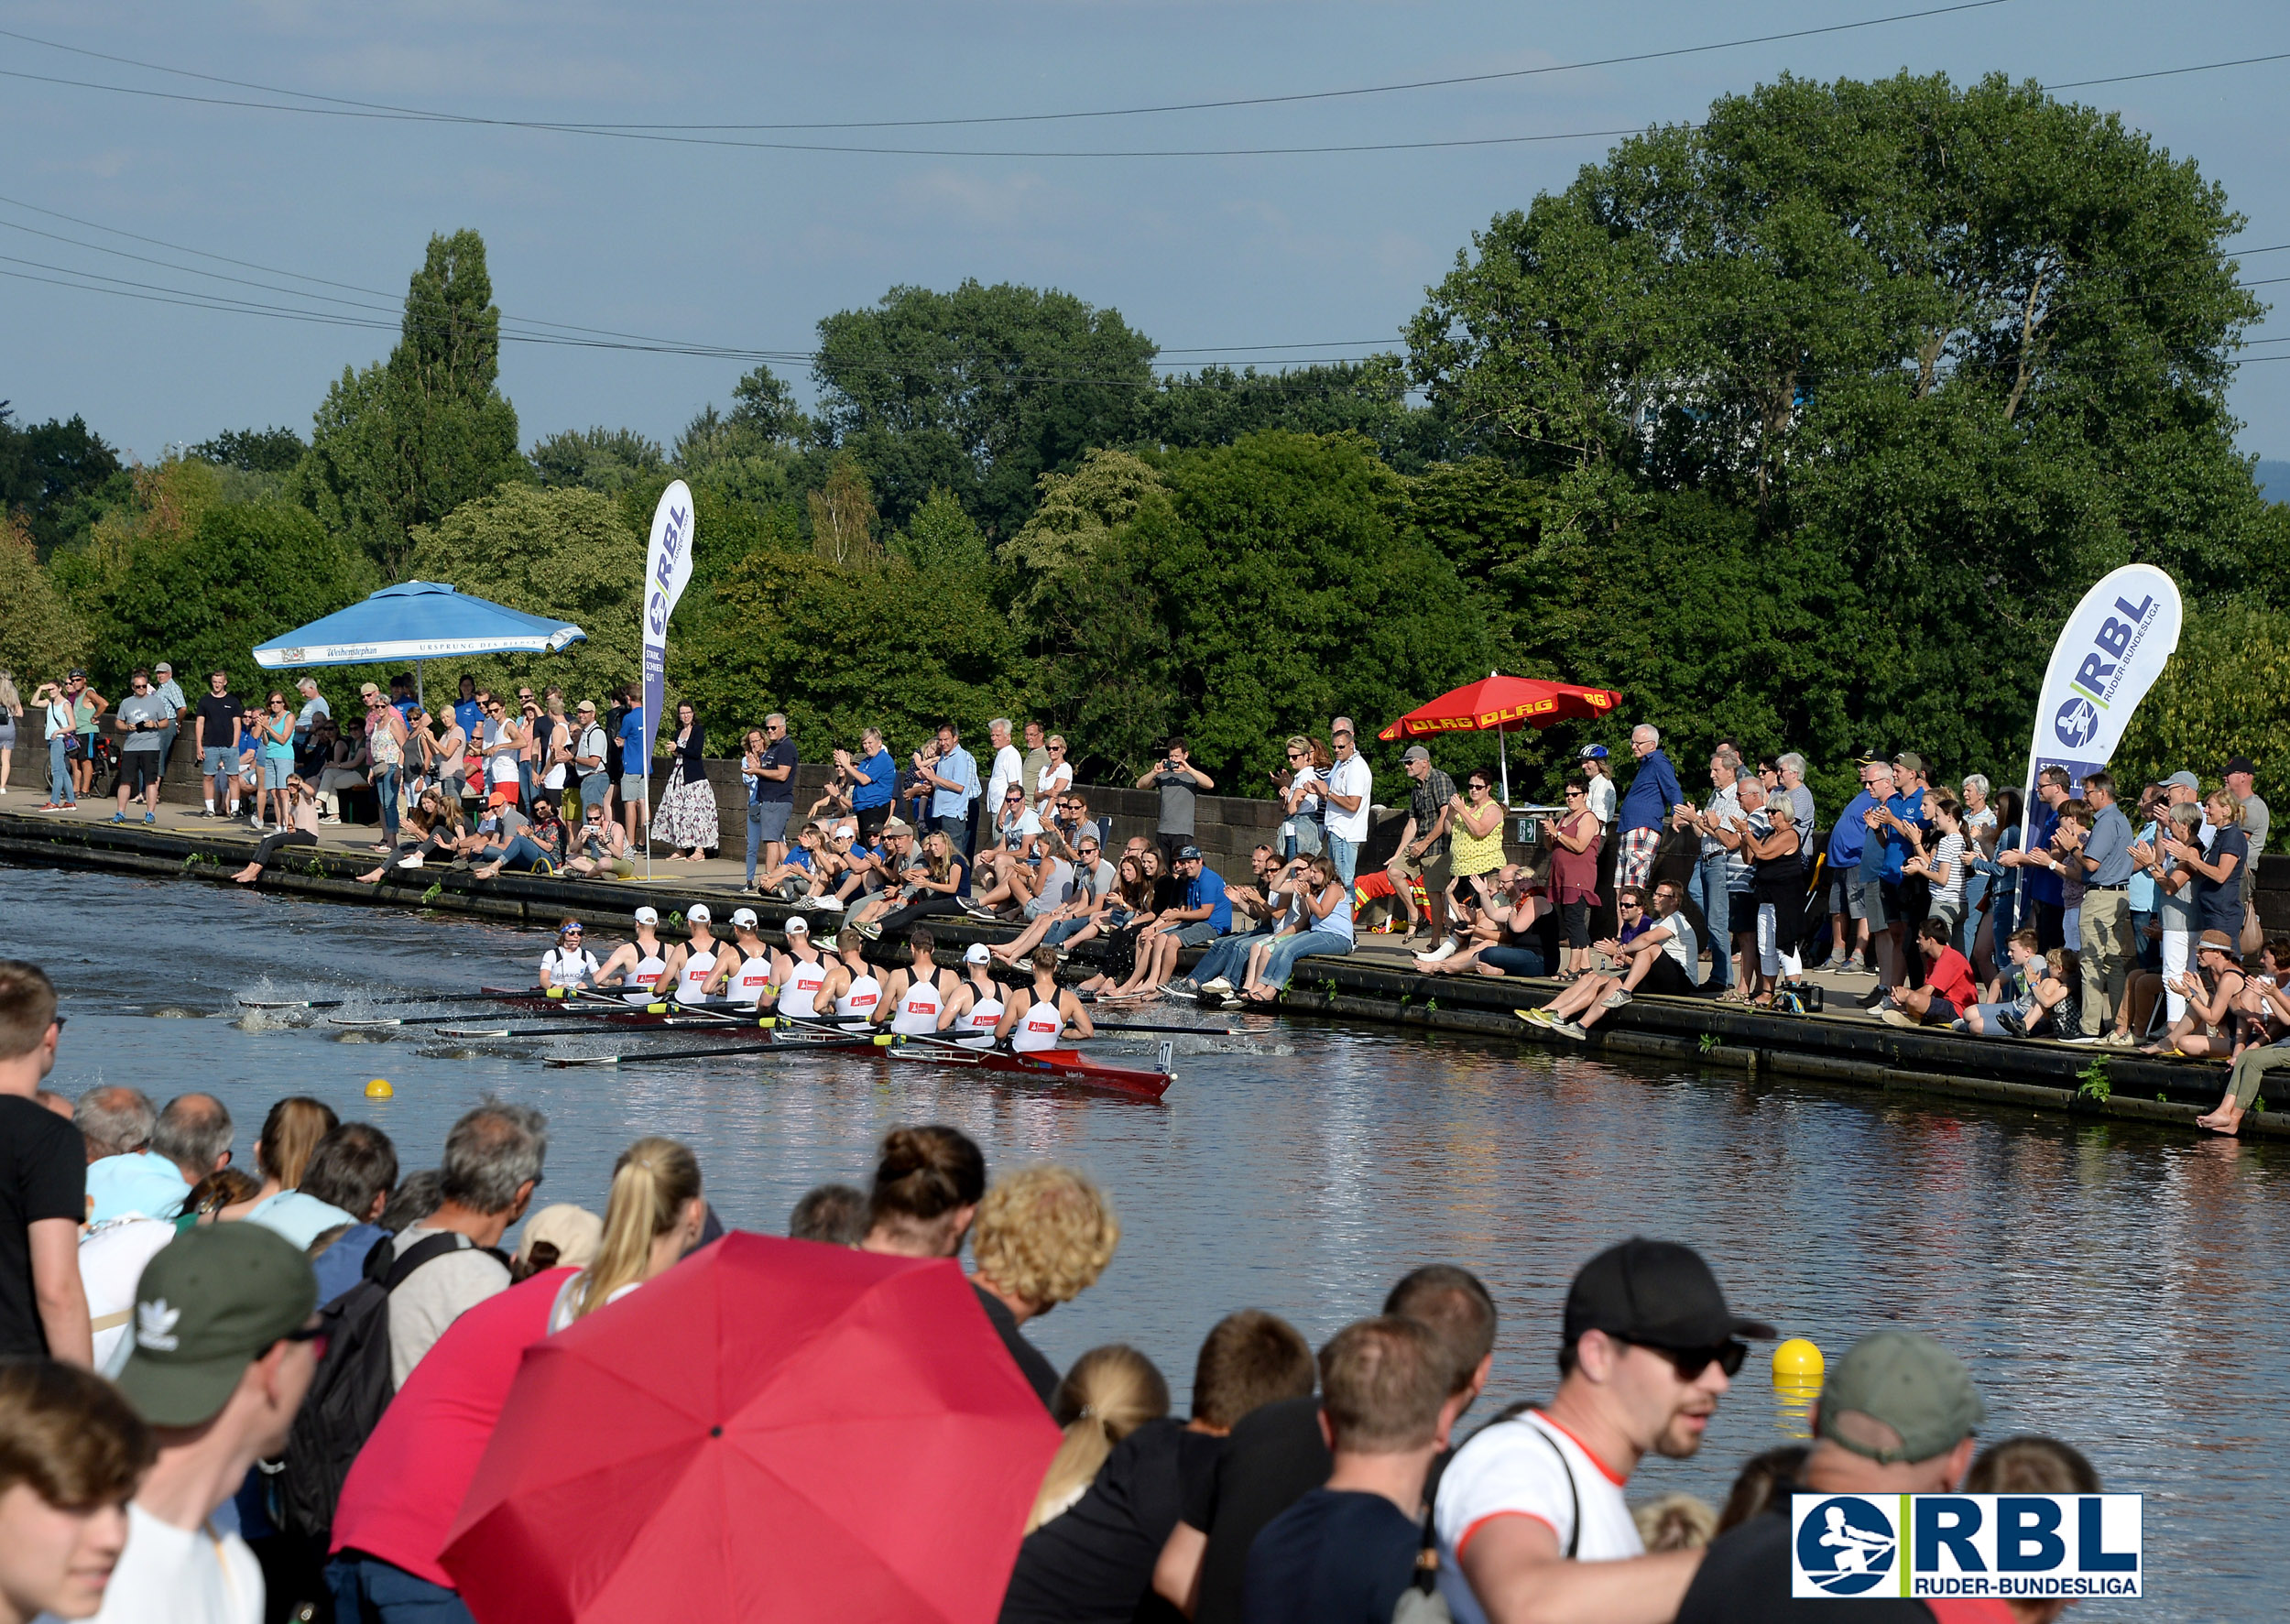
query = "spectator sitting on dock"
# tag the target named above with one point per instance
(2206, 1029)
(2015, 998)
(1947, 990)
(1230, 952)
(1664, 959)
(1203, 913)
(1501, 938)
(600, 849)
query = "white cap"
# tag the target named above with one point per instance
(698, 914)
(647, 916)
(796, 926)
(977, 955)
(745, 918)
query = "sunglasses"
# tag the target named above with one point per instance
(1690, 1362)
(1571, 794)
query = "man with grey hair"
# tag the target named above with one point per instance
(1646, 808)
(314, 706)
(768, 768)
(491, 1167)
(147, 1162)
(1711, 888)
(1009, 767)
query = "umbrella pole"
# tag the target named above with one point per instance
(1502, 754)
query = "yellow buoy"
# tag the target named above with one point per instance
(380, 1089)
(1796, 1360)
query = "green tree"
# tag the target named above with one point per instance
(402, 445)
(237, 577)
(252, 451)
(598, 459)
(980, 391)
(54, 474)
(1218, 405)
(2220, 697)
(40, 637)
(568, 554)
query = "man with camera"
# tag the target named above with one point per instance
(144, 717)
(1178, 781)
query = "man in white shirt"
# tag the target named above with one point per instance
(1531, 1519)
(1345, 791)
(223, 1356)
(1009, 767)
(491, 1167)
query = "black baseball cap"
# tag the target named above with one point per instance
(1189, 854)
(1656, 1293)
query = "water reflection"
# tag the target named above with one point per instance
(2121, 1288)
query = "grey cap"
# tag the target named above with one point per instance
(1910, 1383)
(1415, 753)
(2182, 781)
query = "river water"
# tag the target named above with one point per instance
(2122, 1288)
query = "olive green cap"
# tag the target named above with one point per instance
(207, 1305)
(1910, 1383)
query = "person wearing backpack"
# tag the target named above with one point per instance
(415, 1285)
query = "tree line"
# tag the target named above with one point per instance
(1802, 426)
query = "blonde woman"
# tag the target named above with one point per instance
(1108, 1394)
(652, 1218)
(1043, 1236)
(11, 711)
(1305, 832)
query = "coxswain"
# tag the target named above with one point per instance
(1036, 1017)
(862, 995)
(690, 961)
(567, 963)
(743, 966)
(918, 993)
(970, 1015)
(804, 978)
(639, 965)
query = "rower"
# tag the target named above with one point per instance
(639, 965)
(862, 995)
(803, 976)
(970, 1016)
(918, 993)
(743, 969)
(1038, 1015)
(567, 963)
(689, 961)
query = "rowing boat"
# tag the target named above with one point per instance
(1041, 1065)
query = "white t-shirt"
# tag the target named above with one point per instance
(1350, 777)
(1009, 768)
(1055, 783)
(1602, 799)
(1949, 854)
(184, 1575)
(112, 1256)
(1684, 946)
(1514, 1467)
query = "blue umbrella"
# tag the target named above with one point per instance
(417, 620)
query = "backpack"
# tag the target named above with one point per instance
(352, 1388)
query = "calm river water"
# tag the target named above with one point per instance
(2122, 1289)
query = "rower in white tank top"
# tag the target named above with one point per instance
(745, 973)
(691, 981)
(1037, 1028)
(855, 1008)
(916, 1015)
(642, 978)
(800, 996)
(974, 1028)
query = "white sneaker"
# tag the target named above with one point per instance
(829, 904)
(1220, 985)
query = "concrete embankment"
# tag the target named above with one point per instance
(1845, 1047)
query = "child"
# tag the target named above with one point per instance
(1942, 866)
(1948, 986)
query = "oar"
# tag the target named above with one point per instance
(613, 1059)
(1181, 1032)
(477, 998)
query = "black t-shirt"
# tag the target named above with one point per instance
(1274, 1457)
(43, 1174)
(613, 719)
(1093, 1563)
(1336, 1556)
(781, 754)
(1744, 1579)
(218, 714)
(1039, 1374)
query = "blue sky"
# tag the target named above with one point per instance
(1229, 258)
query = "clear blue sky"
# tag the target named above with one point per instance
(748, 248)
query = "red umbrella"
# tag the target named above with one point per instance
(1503, 703)
(773, 1429)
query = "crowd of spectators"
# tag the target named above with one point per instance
(225, 1397)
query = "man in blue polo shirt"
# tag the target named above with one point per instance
(953, 777)
(636, 749)
(1645, 809)
(1903, 808)
(1849, 920)
(2039, 885)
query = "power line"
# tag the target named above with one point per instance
(887, 124)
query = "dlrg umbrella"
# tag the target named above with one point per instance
(1503, 703)
(773, 1429)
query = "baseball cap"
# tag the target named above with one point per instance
(1594, 752)
(2240, 764)
(896, 826)
(745, 918)
(698, 914)
(1913, 1385)
(501, 798)
(2182, 781)
(209, 1303)
(586, 705)
(976, 953)
(170, 669)
(366, 690)
(1415, 753)
(797, 925)
(1654, 1291)
(574, 1231)
(1870, 756)
(647, 916)
(1909, 759)
(1188, 854)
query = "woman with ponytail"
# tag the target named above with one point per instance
(1108, 1394)
(652, 1218)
